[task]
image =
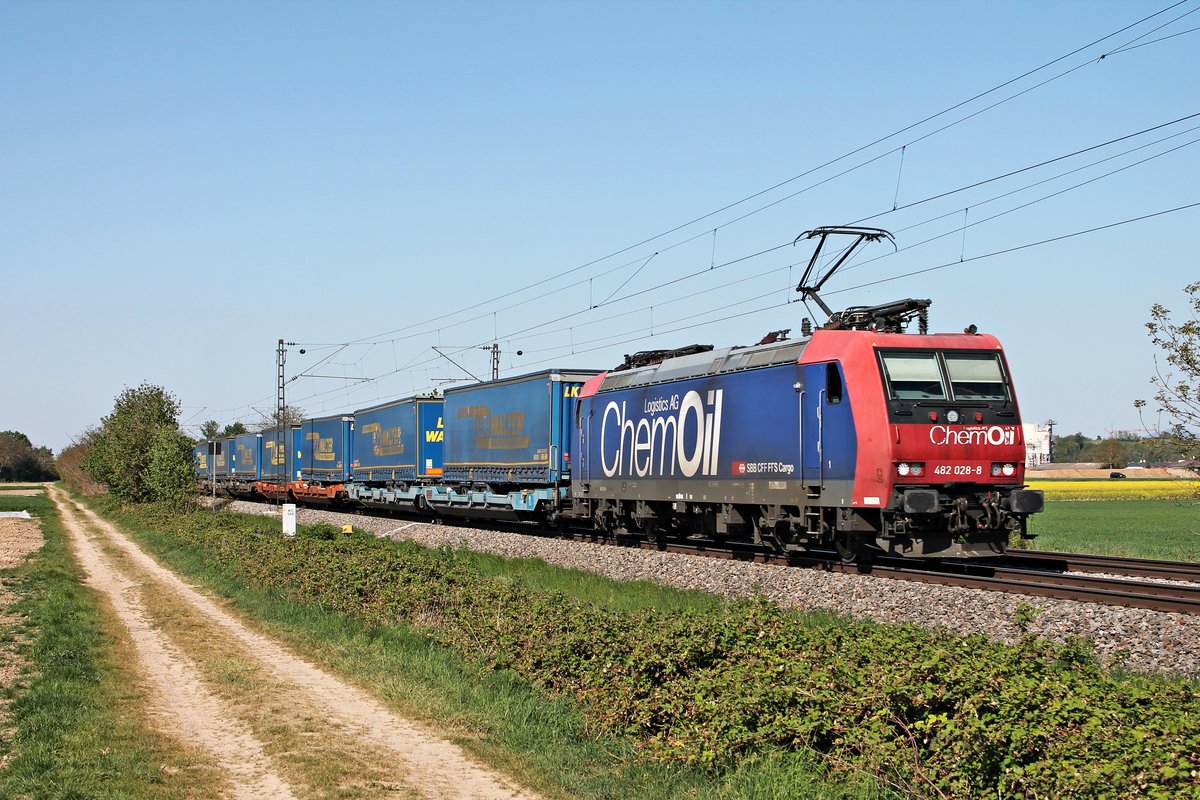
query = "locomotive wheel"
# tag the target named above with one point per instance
(764, 533)
(847, 546)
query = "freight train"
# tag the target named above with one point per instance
(857, 437)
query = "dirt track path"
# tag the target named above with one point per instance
(400, 759)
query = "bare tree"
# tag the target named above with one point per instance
(1177, 382)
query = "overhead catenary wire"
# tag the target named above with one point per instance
(1017, 248)
(805, 173)
(1121, 48)
(1021, 206)
(583, 348)
(415, 363)
(922, 201)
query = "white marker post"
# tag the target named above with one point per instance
(289, 519)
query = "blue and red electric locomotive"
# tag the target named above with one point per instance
(854, 439)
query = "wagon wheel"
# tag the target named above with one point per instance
(654, 533)
(847, 545)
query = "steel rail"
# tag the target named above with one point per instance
(992, 575)
(1176, 598)
(1085, 562)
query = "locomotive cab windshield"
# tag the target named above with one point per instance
(970, 378)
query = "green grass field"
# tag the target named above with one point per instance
(1167, 529)
(1151, 518)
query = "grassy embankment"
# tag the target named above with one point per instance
(76, 723)
(552, 744)
(547, 743)
(694, 698)
(1138, 518)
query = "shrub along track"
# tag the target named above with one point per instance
(275, 725)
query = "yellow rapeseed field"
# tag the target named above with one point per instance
(1166, 489)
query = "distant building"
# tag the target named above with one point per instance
(1037, 444)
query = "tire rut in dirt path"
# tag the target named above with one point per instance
(434, 767)
(181, 700)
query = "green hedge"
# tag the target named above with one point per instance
(929, 713)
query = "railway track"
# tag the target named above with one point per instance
(1083, 562)
(1030, 572)
(1036, 573)
(1172, 597)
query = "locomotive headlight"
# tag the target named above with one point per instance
(1007, 470)
(902, 470)
(952, 416)
(907, 469)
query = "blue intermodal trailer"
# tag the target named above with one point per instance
(512, 431)
(397, 450)
(322, 449)
(398, 441)
(273, 461)
(201, 461)
(245, 462)
(508, 445)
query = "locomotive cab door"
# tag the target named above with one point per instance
(583, 426)
(827, 449)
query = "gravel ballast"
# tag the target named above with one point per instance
(1142, 640)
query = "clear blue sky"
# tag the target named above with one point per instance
(182, 184)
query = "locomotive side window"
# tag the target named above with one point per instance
(976, 376)
(914, 376)
(833, 384)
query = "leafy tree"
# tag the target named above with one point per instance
(1177, 385)
(121, 449)
(1162, 448)
(1067, 449)
(43, 461)
(213, 430)
(18, 437)
(12, 447)
(170, 474)
(21, 461)
(1110, 453)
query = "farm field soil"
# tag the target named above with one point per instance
(18, 538)
(272, 724)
